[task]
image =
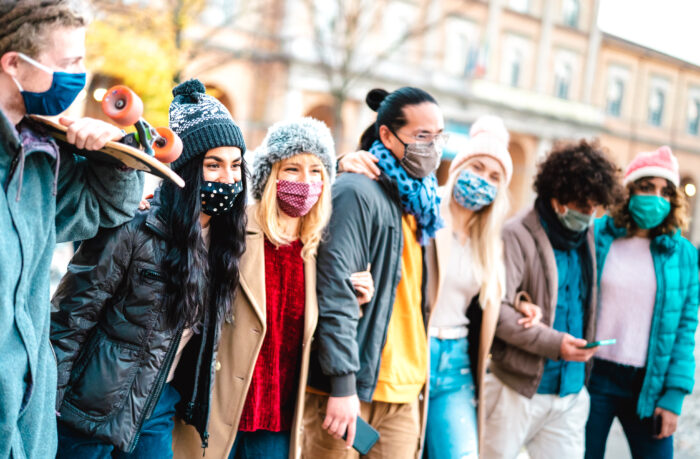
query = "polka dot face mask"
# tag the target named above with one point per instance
(297, 198)
(217, 198)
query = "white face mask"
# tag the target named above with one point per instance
(576, 221)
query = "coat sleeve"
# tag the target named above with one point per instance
(92, 195)
(541, 339)
(345, 250)
(679, 378)
(93, 278)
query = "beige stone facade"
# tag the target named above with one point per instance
(542, 65)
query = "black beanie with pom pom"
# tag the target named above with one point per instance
(201, 121)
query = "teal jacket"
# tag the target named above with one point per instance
(670, 367)
(42, 201)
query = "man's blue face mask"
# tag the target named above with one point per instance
(65, 87)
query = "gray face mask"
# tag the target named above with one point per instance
(420, 159)
(576, 221)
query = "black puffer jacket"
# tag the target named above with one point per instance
(113, 347)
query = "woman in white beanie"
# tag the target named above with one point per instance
(466, 280)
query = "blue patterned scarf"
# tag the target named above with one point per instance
(419, 197)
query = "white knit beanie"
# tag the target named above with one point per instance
(488, 137)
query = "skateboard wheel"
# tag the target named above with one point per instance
(122, 105)
(169, 147)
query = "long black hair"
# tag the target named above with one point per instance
(389, 108)
(198, 279)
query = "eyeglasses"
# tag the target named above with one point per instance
(439, 139)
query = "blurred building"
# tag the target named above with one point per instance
(542, 65)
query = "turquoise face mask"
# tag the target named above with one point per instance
(649, 211)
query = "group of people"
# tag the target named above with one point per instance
(266, 306)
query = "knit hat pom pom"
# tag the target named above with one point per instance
(189, 87)
(492, 125)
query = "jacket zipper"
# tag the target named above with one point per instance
(153, 397)
(658, 270)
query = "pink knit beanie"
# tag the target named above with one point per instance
(488, 136)
(659, 163)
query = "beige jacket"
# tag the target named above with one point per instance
(438, 257)
(238, 351)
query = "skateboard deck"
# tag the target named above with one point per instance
(116, 153)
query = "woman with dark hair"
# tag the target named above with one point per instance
(648, 276)
(373, 361)
(137, 317)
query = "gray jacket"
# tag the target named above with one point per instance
(518, 354)
(365, 228)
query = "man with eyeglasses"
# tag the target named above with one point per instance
(371, 361)
(48, 194)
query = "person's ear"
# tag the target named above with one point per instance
(557, 206)
(391, 142)
(9, 63)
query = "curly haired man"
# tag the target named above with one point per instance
(48, 194)
(534, 394)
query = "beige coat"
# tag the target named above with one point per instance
(238, 351)
(438, 257)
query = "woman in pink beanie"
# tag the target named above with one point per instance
(648, 302)
(466, 282)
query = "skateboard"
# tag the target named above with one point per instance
(147, 149)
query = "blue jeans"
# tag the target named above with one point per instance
(261, 444)
(451, 430)
(156, 440)
(614, 391)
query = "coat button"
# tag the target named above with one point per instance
(218, 365)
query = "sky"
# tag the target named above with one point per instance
(669, 26)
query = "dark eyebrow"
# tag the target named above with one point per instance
(215, 158)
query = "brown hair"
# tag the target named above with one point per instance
(578, 172)
(24, 24)
(677, 218)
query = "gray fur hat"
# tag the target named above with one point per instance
(286, 139)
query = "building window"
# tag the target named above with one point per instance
(616, 91)
(694, 116)
(521, 6)
(515, 65)
(657, 99)
(571, 11)
(562, 80)
(461, 52)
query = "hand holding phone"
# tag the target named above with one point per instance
(365, 436)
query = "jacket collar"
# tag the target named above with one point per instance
(252, 265)
(531, 221)
(9, 137)
(663, 243)
(155, 220)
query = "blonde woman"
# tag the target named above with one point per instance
(466, 283)
(264, 348)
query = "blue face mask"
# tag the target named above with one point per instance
(65, 87)
(648, 211)
(473, 192)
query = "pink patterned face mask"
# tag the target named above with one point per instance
(297, 198)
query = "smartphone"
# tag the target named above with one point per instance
(365, 436)
(604, 342)
(656, 425)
